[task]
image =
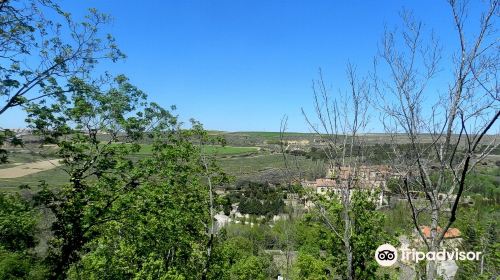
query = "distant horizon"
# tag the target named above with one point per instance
(286, 132)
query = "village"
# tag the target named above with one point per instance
(370, 179)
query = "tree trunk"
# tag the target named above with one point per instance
(431, 269)
(347, 233)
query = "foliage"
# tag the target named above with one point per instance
(366, 235)
(18, 221)
(250, 268)
(256, 207)
(309, 267)
(38, 54)
(240, 249)
(21, 265)
(7, 136)
(397, 220)
(485, 184)
(258, 199)
(480, 234)
(100, 173)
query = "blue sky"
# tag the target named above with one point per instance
(241, 65)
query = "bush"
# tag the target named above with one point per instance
(17, 223)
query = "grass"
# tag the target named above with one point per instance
(57, 177)
(147, 149)
(228, 150)
(248, 165)
(238, 166)
(54, 177)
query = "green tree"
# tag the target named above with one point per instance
(163, 229)
(18, 221)
(40, 53)
(227, 252)
(119, 216)
(107, 123)
(250, 268)
(309, 267)
(479, 235)
(367, 233)
(21, 265)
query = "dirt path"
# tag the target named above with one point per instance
(28, 168)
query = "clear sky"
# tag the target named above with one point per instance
(241, 65)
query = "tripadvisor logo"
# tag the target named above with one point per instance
(387, 255)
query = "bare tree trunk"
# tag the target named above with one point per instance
(347, 233)
(211, 230)
(290, 177)
(212, 226)
(431, 264)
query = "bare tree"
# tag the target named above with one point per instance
(341, 120)
(439, 134)
(293, 173)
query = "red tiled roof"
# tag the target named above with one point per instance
(451, 233)
(325, 183)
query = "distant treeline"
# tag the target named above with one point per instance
(373, 154)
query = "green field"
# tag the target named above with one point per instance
(236, 161)
(57, 177)
(247, 154)
(229, 150)
(54, 177)
(243, 166)
(146, 149)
